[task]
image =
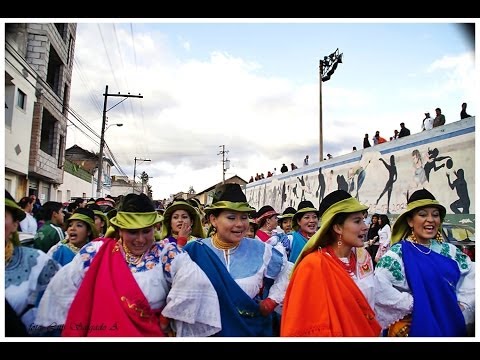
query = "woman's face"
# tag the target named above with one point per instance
(251, 231)
(99, 224)
(138, 241)
(308, 223)
(287, 224)
(78, 233)
(425, 223)
(353, 230)
(10, 224)
(179, 217)
(271, 223)
(231, 225)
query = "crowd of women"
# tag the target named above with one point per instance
(228, 270)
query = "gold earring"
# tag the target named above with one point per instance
(439, 236)
(412, 236)
(339, 242)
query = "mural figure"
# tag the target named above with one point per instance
(460, 185)
(419, 178)
(357, 171)
(284, 195)
(342, 183)
(432, 159)
(392, 177)
(321, 186)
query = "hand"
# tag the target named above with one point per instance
(185, 230)
(267, 306)
(165, 325)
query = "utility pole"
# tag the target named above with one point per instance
(135, 172)
(224, 162)
(102, 137)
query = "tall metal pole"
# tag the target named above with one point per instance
(223, 162)
(102, 136)
(134, 173)
(320, 111)
(102, 139)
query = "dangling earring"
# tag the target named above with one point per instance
(439, 236)
(339, 242)
(412, 236)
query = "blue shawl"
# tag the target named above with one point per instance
(63, 255)
(433, 279)
(298, 244)
(239, 313)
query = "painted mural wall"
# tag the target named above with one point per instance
(441, 160)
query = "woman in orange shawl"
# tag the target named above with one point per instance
(331, 289)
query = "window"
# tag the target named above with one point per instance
(54, 71)
(48, 132)
(21, 99)
(61, 147)
(66, 95)
(62, 29)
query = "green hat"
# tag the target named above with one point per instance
(136, 212)
(304, 207)
(229, 196)
(197, 229)
(419, 199)
(88, 217)
(287, 213)
(17, 212)
(338, 201)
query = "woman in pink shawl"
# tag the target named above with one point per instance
(129, 285)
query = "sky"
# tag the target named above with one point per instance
(253, 87)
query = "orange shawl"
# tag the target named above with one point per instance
(323, 300)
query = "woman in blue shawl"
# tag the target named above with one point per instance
(424, 286)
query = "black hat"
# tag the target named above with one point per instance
(287, 213)
(304, 207)
(265, 212)
(229, 196)
(332, 198)
(229, 192)
(136, 203)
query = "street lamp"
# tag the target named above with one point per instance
(326, 69)
(100, 159)
(135, 171)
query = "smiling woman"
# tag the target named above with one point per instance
(423, 282)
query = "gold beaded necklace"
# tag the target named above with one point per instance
(73, 247)
(8, 252)
(130, 258)
(222, 245)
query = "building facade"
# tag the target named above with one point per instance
(38, 73)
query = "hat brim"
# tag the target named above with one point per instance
(229, 205)
(400, 228)
(17, 212)
(349, 206)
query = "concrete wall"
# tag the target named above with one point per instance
(364, 175)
